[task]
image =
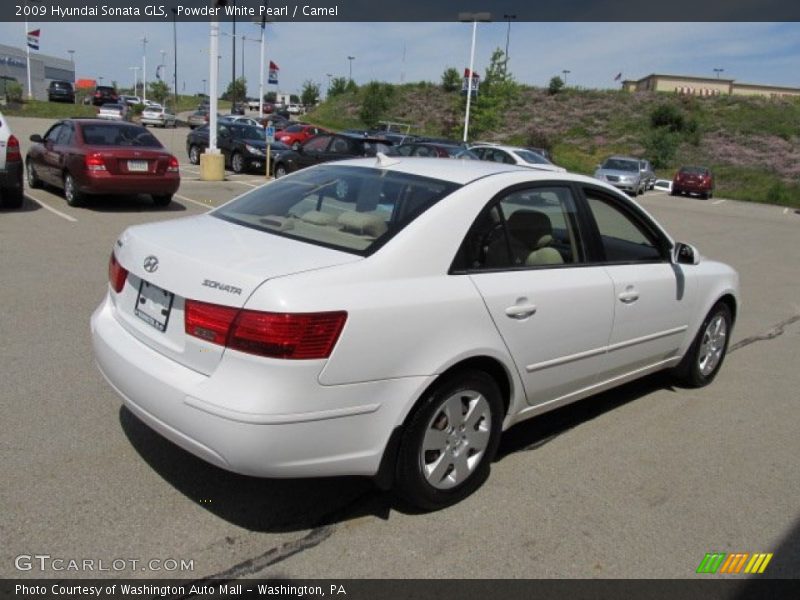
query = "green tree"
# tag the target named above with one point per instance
(309, 96)
(376, 101)
(555, 86)
(271, 97)
(338, 87)
(497, 93)
(14, 91)
(451, 80)
(240, 87)
(159, 91)
(351, 86)
(294, 98)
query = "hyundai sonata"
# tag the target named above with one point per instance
(390, 317)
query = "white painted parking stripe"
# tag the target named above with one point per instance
(718, 201)
(187, 199)
(51, 209)
(785, 211)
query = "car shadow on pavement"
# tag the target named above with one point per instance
(538, 431)
(256, 504)
(28, 205)
(129, 204)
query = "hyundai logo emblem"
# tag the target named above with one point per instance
(151, 264)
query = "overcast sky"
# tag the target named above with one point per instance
(593, 52)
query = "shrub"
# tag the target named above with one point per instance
(661, 146)
(555, 86)
(375, 102)
(451, 80)
(667, 115)
(14, 91)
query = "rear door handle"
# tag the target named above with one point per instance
(520, 311)
(629, 296)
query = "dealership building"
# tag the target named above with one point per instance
(705, 86)
(44, 69)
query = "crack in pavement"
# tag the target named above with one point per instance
(770, 334)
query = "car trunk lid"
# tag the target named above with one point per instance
(204, 259)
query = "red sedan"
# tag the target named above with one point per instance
(693, 180)
(295, 135)
(93, 157)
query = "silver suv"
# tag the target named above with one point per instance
(10, 167)
(622, 172)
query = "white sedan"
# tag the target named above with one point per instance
(158, 116)
(514, 155)
(390, 317)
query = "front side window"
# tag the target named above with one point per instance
(530, 227)
(623, 239)
(354, 209)
(53, 133)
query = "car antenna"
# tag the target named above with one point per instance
(385, 161)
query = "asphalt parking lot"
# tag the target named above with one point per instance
(637, 482)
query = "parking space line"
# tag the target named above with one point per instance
(715, 202)
(51, 209)
(187, 199)
(785, 211)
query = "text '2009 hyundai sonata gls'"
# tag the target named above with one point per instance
(390, 317)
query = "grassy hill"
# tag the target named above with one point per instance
(751, 143)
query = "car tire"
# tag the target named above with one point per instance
(71, 193)
(280, 170)
(162, 200)
(449, 441)
(296, 146)
(238, 163)
(194, 155)
(11, 197)
(705, 356)
(674, 193)
(33, 180)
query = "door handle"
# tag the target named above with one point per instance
(629, 296)
(520, 311)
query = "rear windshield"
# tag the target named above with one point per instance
(532, 157)
(694, 170)
(61, 85)
(118, 134)
(355, 209)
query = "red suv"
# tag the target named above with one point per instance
(693, 180)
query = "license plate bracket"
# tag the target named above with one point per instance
(154, 305)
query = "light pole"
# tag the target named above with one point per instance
(135, 78)
(233, 66)
(262, 23)
(28, 52)
(204, 87)
(144, 68)
(566, 72)
(175, 55)
(465, 17)
(351, 59)
(72, 60)
(718, 71)
(328, 93)
(508, 18)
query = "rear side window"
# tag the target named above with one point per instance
(530, 227)
(353, 209)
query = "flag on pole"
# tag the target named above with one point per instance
(273, 73)
(33, 39)
(618, 77)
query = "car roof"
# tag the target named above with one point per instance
(457, 171)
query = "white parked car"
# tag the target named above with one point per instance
(295, 109)
(113, 112)
(513, 155)
(11, 189)
(390, 317)
(158, 116)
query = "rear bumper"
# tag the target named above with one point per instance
(691, 188)
(129, 184)
(278, 435)
(153, 121)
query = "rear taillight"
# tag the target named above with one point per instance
(12, 150)
(173, 165)
(209, 322)
(116, 274)
(276, 335)
(94, 162)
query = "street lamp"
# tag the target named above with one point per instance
(351, 59)
(465, 17)
(508, 18)
(328, 93)
(262, 23)
(135, 78)
(175, 56)
(204, 87)
(566, 72)
(718, 71)
(144, 68)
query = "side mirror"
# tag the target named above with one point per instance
(685, 254)
(36, 138)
